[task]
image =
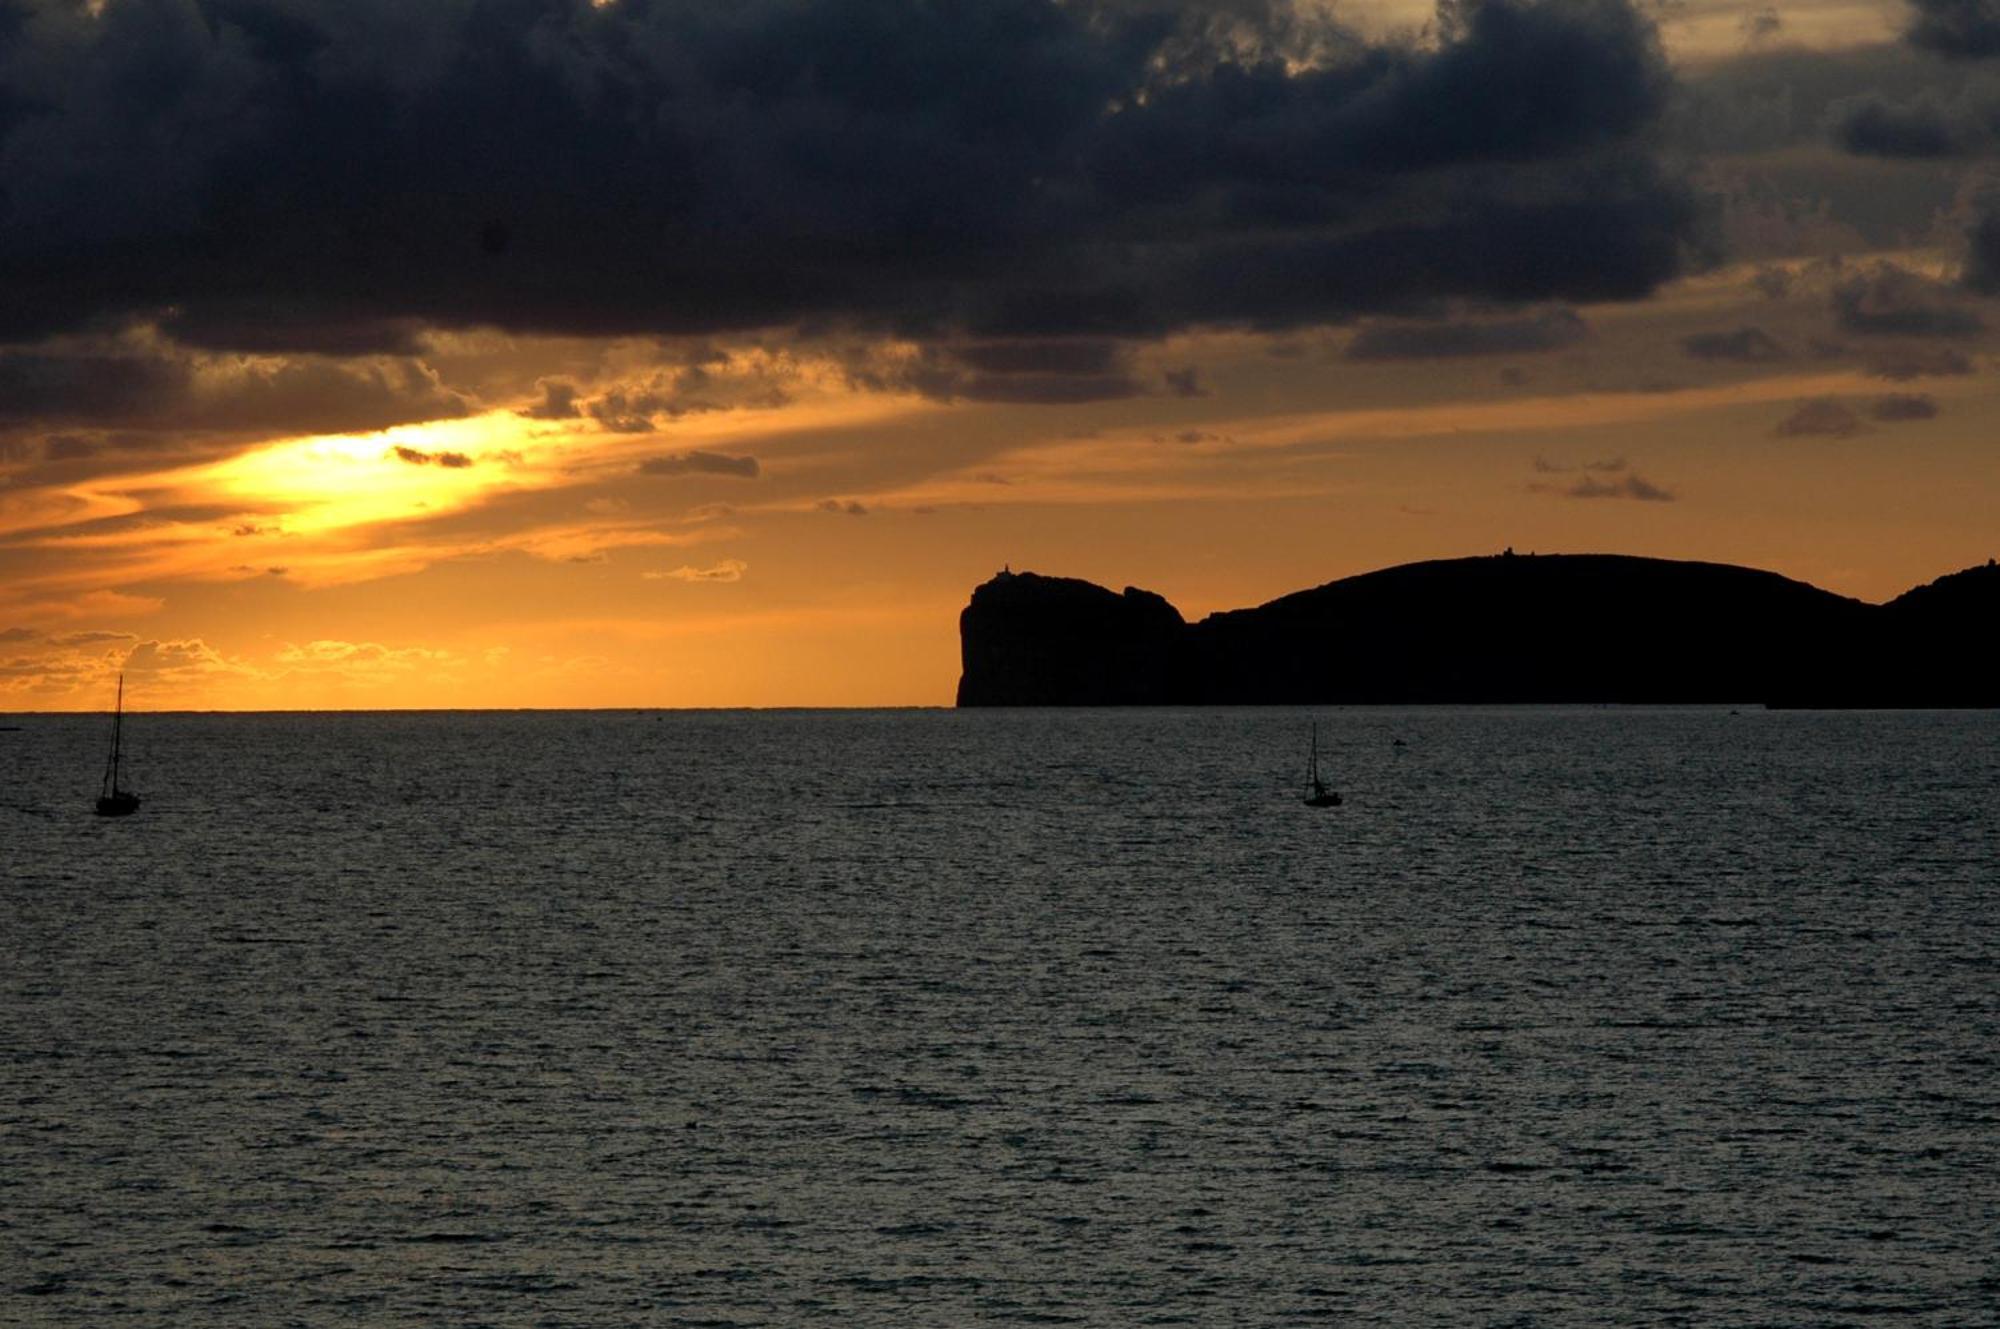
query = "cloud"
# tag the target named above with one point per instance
(698, 462)
(1610, 465)
(283, 176)
(1982, 264)
(1627, 484)
(1086, 357)
(1184, 382)
(619, 413)
(1035, 370)
(850, 507)
(710, 381)
(455, 461)
(137, 384)
(68, 447)
(1901, 363)
(167, 663)
(1633, 486)
(1761, 26)
(558, 401)
(1547, 330)
(1904, 406)
(1961, 29)
(1772, 282)
(1750, 344)
(1893, 301)
(360, 658)
(9, 636)
(1823, 417)
(1925, 126)
(729, 569)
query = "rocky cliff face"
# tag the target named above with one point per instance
(1029, 640)
(1581, 628)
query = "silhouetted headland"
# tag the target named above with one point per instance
(1502, 629)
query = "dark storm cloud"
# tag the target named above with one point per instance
(1549, 330)
(1963, 29)
(1029, 370)
(701, 463)
(1873, 126)
(1784, 96)
(1904, 406)
(1750, 343)
(1082, 356)
(1959, 120)
(334, 175)
(1893, 301)
(150, 387)
(1982, 260)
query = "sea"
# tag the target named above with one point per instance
(1567, 1016)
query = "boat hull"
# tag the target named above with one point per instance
(117, 805)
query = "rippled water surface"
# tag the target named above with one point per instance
(940, 1018)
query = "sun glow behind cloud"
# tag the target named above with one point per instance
(331, 484)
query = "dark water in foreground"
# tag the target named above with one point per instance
(936, 1018)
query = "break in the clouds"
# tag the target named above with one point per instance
(332, 175)
(1436, 339)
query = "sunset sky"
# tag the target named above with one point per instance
(445, 353)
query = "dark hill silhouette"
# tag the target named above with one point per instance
(1527, 628)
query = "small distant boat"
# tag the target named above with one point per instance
(111, 800)
(1317, 794)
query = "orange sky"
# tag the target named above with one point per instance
(804, 535)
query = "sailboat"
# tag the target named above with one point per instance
(1317, 794)
(111, 800)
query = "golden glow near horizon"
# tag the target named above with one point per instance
(500, 560)
(815, 550)
(797, 517)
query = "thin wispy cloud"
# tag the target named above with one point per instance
(728, 570)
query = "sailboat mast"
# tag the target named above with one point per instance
(117, 732)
